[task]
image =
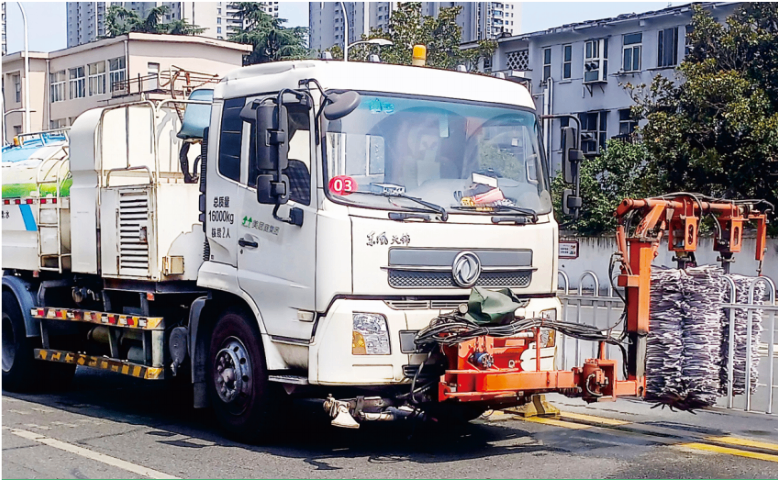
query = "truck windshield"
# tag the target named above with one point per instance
(450, 154)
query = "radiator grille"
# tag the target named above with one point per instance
(411, 279)
(134, 233)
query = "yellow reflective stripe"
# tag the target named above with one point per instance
(557, 423)
(591, 418)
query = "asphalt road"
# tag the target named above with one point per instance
(109, 426)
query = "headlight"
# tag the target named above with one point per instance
(370, 335)
(547, 335)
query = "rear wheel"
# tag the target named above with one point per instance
(245, 403)
(21, 372)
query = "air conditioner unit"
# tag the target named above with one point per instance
(595, 61)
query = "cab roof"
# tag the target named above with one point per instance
(373, 77)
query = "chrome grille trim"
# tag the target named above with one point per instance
(424, 279)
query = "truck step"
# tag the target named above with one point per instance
(103, 363)
(290, 379)
(100, 318)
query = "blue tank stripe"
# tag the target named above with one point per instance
(29, 219)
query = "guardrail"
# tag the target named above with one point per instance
(603, 308)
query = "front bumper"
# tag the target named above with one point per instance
(332, 363)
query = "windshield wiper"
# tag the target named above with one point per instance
(526, 212)
(429, 206)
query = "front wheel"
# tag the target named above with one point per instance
(245, 403)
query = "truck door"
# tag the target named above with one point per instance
(276, 260)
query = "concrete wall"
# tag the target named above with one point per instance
(14, 65)
(595, 254)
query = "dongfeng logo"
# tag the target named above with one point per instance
(466, 269)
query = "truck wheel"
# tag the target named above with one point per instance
(21, 372)
(243, 399)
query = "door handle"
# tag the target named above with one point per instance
(247, 243)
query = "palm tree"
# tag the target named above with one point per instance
(271, 40)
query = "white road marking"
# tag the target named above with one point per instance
(99, 457)
(32, 425)
(20, 412)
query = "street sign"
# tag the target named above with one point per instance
(568, 249)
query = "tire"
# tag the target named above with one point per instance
(21, 372)
(245, 403)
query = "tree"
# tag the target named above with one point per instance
(441, 35)
(622, 171)
(271, 40)
(715, 131)
(121, 21)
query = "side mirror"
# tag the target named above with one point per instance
(271, 150)
(571, 204)
(341, 104)
(572, 156)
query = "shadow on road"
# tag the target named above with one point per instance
(307, 434)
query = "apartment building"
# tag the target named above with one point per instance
(86, 20)
(479, 20)
(66, 83)
(581, 68)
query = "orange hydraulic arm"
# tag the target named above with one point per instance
(679, 215)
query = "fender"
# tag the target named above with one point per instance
(22, 290)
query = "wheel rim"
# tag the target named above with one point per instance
(232, 375)
(9, 343)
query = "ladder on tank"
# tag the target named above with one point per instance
(51, 203)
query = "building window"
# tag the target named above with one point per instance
(17, 130)
(487, 64)
(633, 47)
(219, 20)
(567, 62)
(688, 39)
(96, 78)
(667, 48)
(594, 126)
(58, 123)
(218, 11)
(596, 60)
(57, 86)
(627, 123)
(77, 82)
(117, 74)
(546, 64)
(17, 81)
(218, 29)
(518, 60)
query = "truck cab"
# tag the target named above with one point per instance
(343, 206)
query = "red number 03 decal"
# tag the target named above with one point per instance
(343, 185)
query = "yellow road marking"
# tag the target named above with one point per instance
(99, 457)
(744, 442)
(591, 418)
(557, 423)
(729, 451)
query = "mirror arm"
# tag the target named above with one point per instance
(295, 216)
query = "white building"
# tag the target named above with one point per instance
(86, 20)
(479, 20)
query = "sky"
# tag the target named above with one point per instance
(48, 27)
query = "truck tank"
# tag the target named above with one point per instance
(36, 185)
(116, 177)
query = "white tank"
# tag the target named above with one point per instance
(36, 185)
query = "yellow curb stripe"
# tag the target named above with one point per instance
(556, 423)
(744, 442)
(591, 418)
(729, 451)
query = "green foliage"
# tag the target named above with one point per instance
(441, 35)
(717, 132)
(121, 21)
(271, 40)
(622, 171)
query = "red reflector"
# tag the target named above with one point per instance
(41, 312)
(62, 314)
(53, 200)
(6, 202)
(17, 201)
(29, 201)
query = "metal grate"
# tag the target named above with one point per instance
(133, 232)
(406, 279)
(425, 304)
(518, 60)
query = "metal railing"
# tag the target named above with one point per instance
(603, 307)
(174, 81)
